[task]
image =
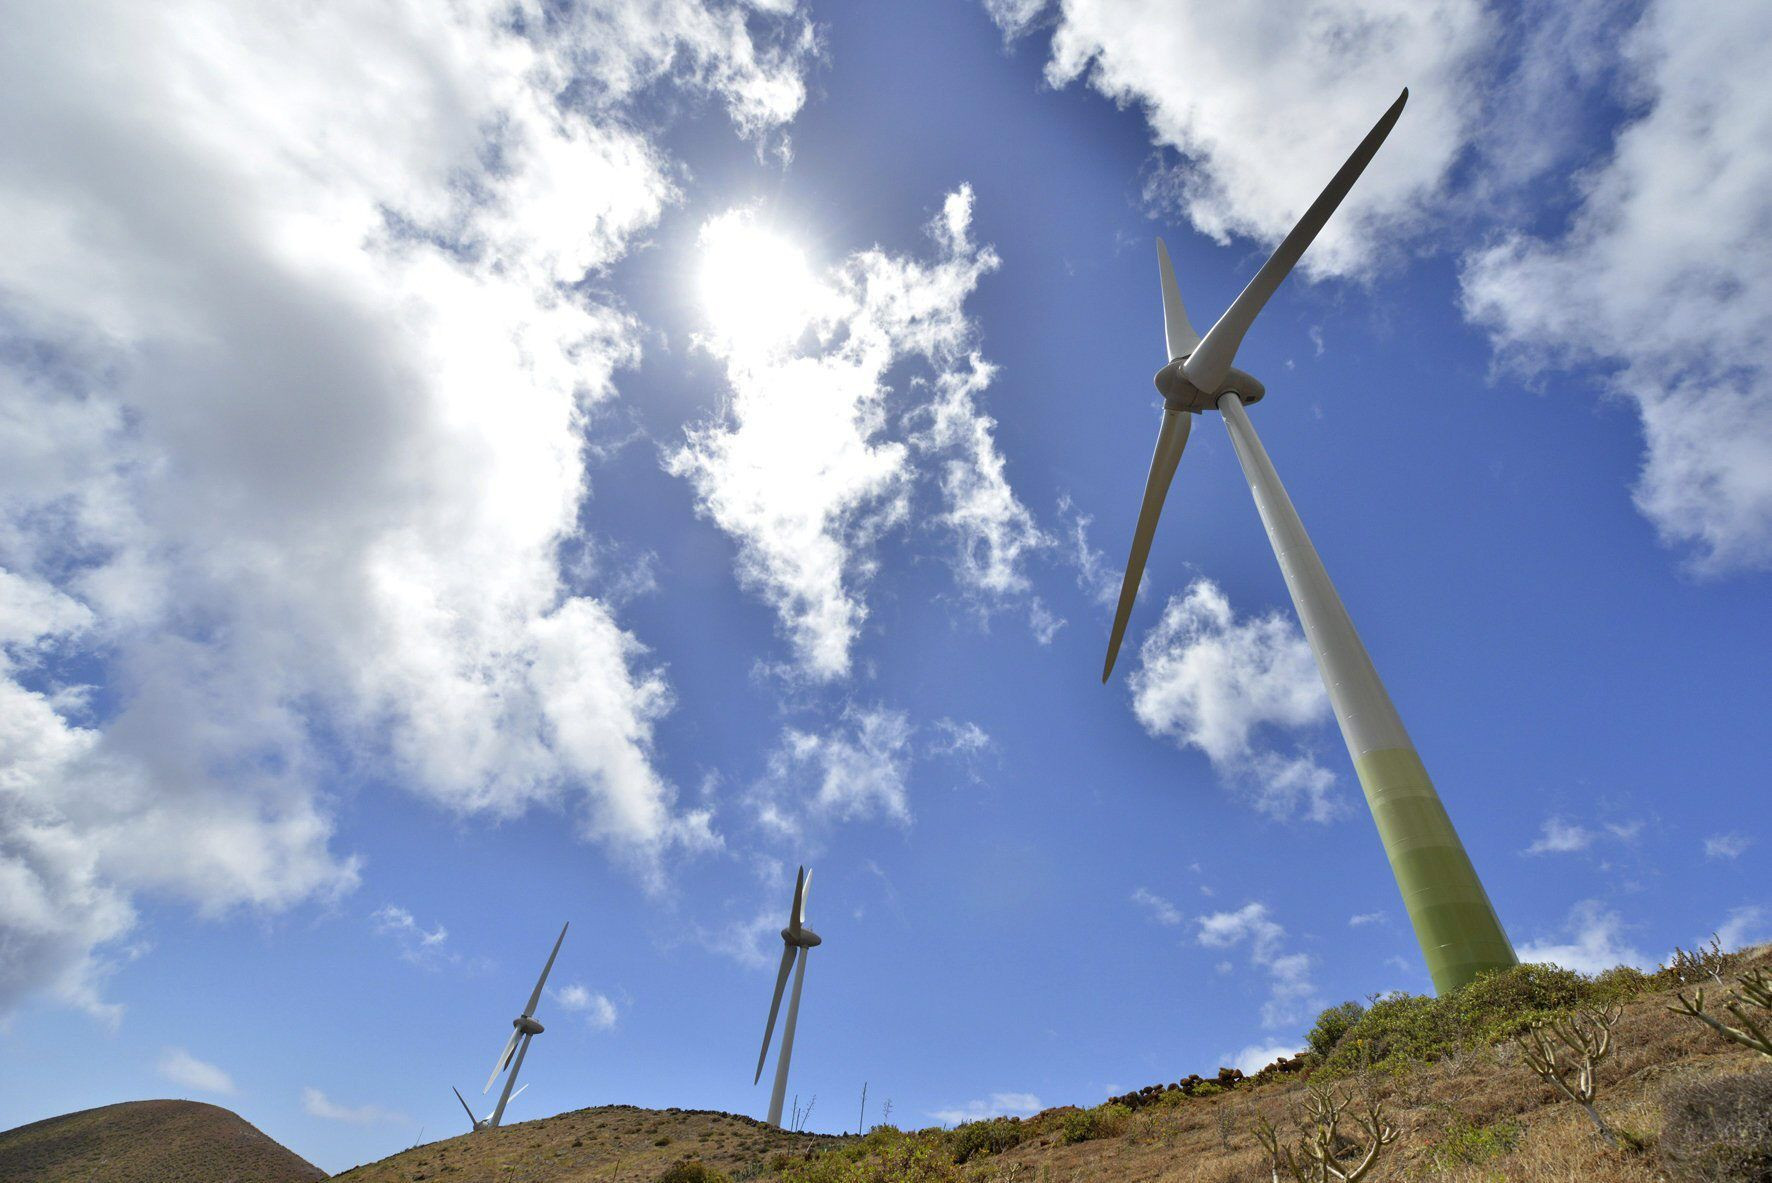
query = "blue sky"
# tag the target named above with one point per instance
(468, 471)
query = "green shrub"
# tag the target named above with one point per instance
(1465, 1144)
(692, 1170)
(1719, 1130)
(1206, 1088)
(1621, 983)
(1503, 1003)
(976, 1139)
(1331, 1025)
(1396, 1030)
(910, 1158)
(1103, 1121)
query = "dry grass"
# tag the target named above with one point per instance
(149, 1142)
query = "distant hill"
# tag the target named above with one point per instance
(607, 1144)
(149, 1142)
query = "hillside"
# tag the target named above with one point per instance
(610, 1144)
(149, 1142)
(1465, 1108)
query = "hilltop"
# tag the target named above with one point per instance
(149, 1142)
(1450, 1077)
(609, 1144)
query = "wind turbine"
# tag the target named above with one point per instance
(525, 1028)
(796, 939)
(479, 1123)
(1457, 927)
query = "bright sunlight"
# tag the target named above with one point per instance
(755, 285)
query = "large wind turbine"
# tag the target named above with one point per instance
(1459, 933)
(796, 939)
(525, 1028)
(479, 1123)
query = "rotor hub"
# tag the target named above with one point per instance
(527, 1025)
(1180, 394)
(804, 939)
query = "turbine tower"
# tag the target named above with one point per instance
(796, 939)
(525, 1028)
(1457, 927)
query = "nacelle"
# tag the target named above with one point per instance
(804, 939)
(526, 1025)
(1179, 394)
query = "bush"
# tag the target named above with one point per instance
(1331, 1025)
(692, 1170)
(1621, 983)
(1465, 1144)
(1719, 1130)
(1397, 1030)
(976, 1139)
(1503, 1003)
(1084, 1125)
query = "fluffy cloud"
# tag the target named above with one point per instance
(186, 1070)
(1726, 846)
(1592, 940)
(1210, 681)
(317, 1104)
(806, 467)
(598, 1011)
(410, 937)
(1256, 1056)
(293, 384)
(1557, 836)
(1290, 988)
(1161, 910)
(1664, 278)
(1264, 104)
(851, 771)
(999, 1104)
(1746, 926)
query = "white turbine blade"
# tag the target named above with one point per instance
(504, 1059)
(1178, 331)
(1171, 439)
(1207, 366)
(781, 981)
(535, 998)
(518, 1093)
(805, 891)
(799, 894)
(472, 1120)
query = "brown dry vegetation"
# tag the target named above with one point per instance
(1477, 1116)
(149, 1142)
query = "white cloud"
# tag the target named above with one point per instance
(1664, 279)
(317, 1104)
(804, 469)
(1363, 919)
(1161, 910)
(1210, 681)
(852, 771)
(599, 1012)
(416, 944)
(1099, 581)
(1290, 988)
(998, 1105)
(1257, 1056)
(1593, 941)
(1265, 103)
(1559, 837)
(294, 389)
(1746, 926)
(182, 1068)
(1726, 846)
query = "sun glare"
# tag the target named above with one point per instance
(755, 285)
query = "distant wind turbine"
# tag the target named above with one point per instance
(1457, 927)
(479, 1123)
(525, 1029)
(796, 939)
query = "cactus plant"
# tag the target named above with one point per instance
(1754, 993)
(1585, 1039)
(1314, 1158)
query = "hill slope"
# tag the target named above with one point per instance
(1470, 1115)
(149, 1142)
(608, 1144)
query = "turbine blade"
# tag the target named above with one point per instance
(1178, 331)
(1207, 366)
(535, 998)
(781, 981)
(518, 1093)
(504, 1059)
(472, 1120)
(1170, 441)
(805, 893)
(799, 895)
